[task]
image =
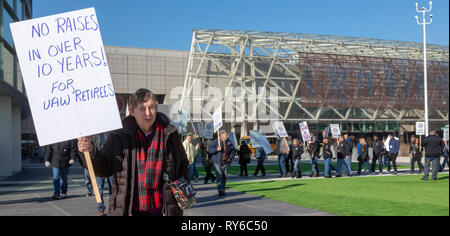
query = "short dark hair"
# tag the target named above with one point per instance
(141, 95)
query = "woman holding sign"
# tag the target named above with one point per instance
(137, 156)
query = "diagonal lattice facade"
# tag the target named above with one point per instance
(319, 79)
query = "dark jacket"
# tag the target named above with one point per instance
(244, 154)
(59, 154)
(378, 147)
(297, 152)
(217, 156)
(260, 154)
(327, 151)
(118, 158)
(416, 152)
(341, 151)
(349, 146)
(433, 146)
(314, 148)
(364, 153)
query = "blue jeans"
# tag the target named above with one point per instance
(282, 163)
(193, 171)
(87, 182)
(101, 187)
(387, 162)
(221, 175)
(366, 164)
(328, 167)
(340, 165)
(314, 166)
(296, 165)
(60, 180)
(348, 163)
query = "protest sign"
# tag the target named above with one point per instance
(217, 119)
(67, 79)
(305, 132)
(254, 135)
(201, 131)
(259, 140)
(66, 76)
(335, 131)
(281, 129)
(217, 116)
(265, 144)
(420, 128)
(209, 130)
(232, 137)
(446, 134)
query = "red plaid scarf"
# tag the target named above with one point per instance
(149, 166)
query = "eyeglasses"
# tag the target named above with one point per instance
(143, 109)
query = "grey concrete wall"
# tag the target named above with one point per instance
(154, 69)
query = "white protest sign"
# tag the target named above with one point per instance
(420, 128)
(446, 134)
(281, 129)
(66, 76)
(335, 130)
(305, 132)
(217, 119)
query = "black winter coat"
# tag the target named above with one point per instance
(118, 158)
(364, 153)
(244, 154)
(59, 154)
(433, 146)
(297, 152)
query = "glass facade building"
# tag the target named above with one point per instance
(13, 102)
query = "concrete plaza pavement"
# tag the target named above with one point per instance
(29, 194)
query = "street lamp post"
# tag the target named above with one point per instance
(424, 23)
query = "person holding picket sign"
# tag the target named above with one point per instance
(222, 155)
(154, 148)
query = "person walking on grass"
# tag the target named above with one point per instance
(328, 153)
(314, 150)
(289, 158)
(349, 154)
(416, 156)
(394, 147)
(260, 156)
(244, 158)
(222, 157)
(363, 158)
(297, 151)
(386, 158)
(341, 154)
(282, 150)
(60, 156)
(445, 154)
(378, 149)
(433, 145)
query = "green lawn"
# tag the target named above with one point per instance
(371, 196)
(271, 169)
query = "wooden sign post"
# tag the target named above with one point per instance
(92, 175)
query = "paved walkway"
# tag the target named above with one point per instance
(29, 193)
